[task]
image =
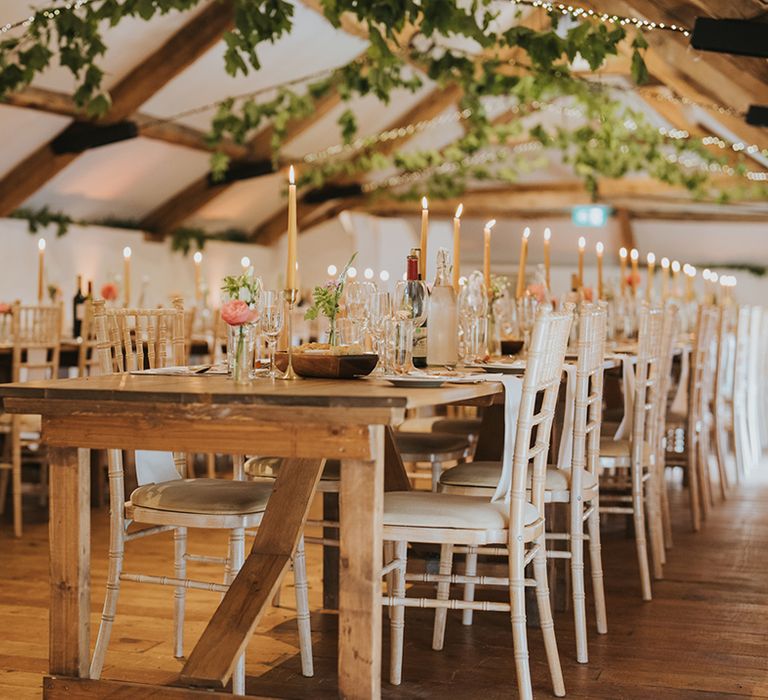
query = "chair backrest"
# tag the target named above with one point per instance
(131, 339)
(87, 357)
(590, 366)
(669, 334)
(647, 379)
(701, 383)
(541, 383)
(35, 332)
(726, 354)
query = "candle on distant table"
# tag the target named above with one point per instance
(547, 236)
(651, 259)
(690, 275)
(714, 282)
(424, 232)
(623, 268)
(40, 270)
(127, 276)
(456, 246)
(675, 278)
(634, 256)
(293, 232)
(523, 260)
(599, 250)
(198, 259)
(582, 246)
(664, 278)
(245, 262)
(487, 254)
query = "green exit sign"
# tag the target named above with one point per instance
(594, 215)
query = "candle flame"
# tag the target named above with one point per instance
(41, 244)
(634, 254)
(245, 261)
(675, 266)
(692, 271)
(459, 209)
(713, 276)
(127, 252)
(547, 233)
(526, 232)
(291, 176)
(582, 242)
(665, 263)
(599, 247)
(198, 257)
(623, 252)
(490, 224)
(706, 274)
(651, 258)
(424, 203)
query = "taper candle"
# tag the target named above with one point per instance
(690, 275)
(623, 268)
(456, 246)
(40, 270)
(634, 256)
(523, 260)
(487, 254)
(582, 246)
(599, 250)
(293, 232)
(547, 236)
(198, 259)
(675, 278)
(424, 234)
(651, 260)
(664, 278)
(127, 276)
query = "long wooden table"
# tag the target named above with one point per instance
(304, 421)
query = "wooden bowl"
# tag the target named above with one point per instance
(327, 366)
(510, 346)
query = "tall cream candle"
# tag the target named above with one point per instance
(127, 276)
(198, 260)
(547, 255)
(424, 235)
(623, 269)
(675, 278)
(634, 256)
(487, 254)
(651, 260)
(523, 260)
(293, 232)
(599, 250)
(582, 246)
(457, 246)
(690, 276)
(664, 278)
(40, 270)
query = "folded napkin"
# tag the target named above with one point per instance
(513, 391)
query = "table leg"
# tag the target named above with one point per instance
(330, 553)
(490, 441)
(362, 495)
(70, 556)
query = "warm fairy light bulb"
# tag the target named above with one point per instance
(459, 209)
(582, 242)
(623, 252)
(599, 247)
(127, 252)
(665, 263)
(691, 270)
(352, 272)
(547, 233)
(41, 244)
(245, 261)
(198, 257)
(675, 266)
(424, 203)
(368, 273)
(291, 176)
(332, 270)
(651, 258)
(384, 276)
(634, 254)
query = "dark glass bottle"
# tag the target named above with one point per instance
(78, 309)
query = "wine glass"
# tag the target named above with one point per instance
(272, 315)
(358, 297)
(379, 311)
(473, 318)
(410, 303)
(526, 315)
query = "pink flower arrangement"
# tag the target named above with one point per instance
(5, 308)
(109, 291)
(538, 291)
(236, 313)
(633, 280)
(587, 293)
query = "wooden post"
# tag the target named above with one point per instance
(330, 553)
(70, 553)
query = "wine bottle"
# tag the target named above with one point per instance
(78, 309)
(442, 342)
(418, 298)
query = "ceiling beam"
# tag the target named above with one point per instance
(175, 55)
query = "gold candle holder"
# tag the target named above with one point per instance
(291, 296)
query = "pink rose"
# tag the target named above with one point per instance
(538, 291)
(633, 279)
(236, 313)
(109, 291)
(587, 293)
(5, 308)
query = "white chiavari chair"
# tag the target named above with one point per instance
(129, 340)
(723, 396)
(629, 483)
(754, 385)
(740, 382)
(34, 332)
(512, 519)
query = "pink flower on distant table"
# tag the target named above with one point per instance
(633, 279)
(236, 313)
(109, 291)
(587, 293)
(5, 308)
(539, 291)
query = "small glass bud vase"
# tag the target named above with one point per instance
(241, 345)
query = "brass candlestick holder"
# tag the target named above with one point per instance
(291, 296)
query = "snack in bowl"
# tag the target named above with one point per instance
(328, 349)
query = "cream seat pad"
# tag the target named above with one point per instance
(205, 496)
(486, 475)
(445, 510)
(620, 448)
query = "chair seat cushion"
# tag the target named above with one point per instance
(611, 449)
(429, 443)
(269, 467)
(204, 496)
(446, 510)
(457, 426)
(486, 475)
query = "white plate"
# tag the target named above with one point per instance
(514, 367)
(405, 380)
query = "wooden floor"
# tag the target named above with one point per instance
(705, 634)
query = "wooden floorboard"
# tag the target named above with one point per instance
(702, 637)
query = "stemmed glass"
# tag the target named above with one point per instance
(410, 303)
(473, 318)
(379, 311)
(526, 315)
(272, 315)
(358, 299)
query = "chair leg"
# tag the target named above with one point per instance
(437, 470)
(517, 618)
(545, 619)
(577, 577)
(443, 593)
(16, 476)
(5, 474)
(666, 515)
(469, 588)
(397, 618)
(653, 516)
(210, 464)
(638, 513)
(705, 483)
(596, 567)
(302, 609)
(693, 488)
(237, 556)
(179, 593)
(389, 555)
